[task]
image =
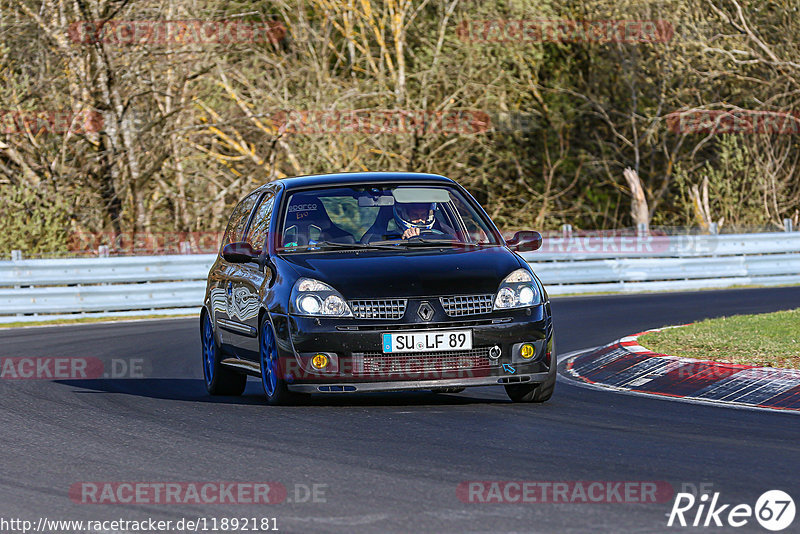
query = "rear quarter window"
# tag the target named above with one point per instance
(259, 228)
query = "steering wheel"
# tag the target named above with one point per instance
(433, 231)
(367, 238)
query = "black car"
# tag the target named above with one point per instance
(362, 282)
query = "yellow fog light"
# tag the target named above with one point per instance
(319, 361)
(527, 351)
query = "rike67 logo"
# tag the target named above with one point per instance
(774, 510)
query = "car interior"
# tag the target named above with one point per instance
(385, 227)
(308, 222)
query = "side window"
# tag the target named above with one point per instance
(239, 219)
(259, 228)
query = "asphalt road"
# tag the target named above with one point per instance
(384, 462)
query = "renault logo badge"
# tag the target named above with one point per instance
(425, 311)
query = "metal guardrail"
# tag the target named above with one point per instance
(32, 290)
(35, 290)
(579, 247)
(580, 265)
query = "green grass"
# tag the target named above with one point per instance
(84, 320)
(767, 340)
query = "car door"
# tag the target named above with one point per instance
(248, 279)
(221, 276)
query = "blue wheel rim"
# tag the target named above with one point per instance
(209, 350)
(269, 360)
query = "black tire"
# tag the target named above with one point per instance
(533, 392)
(219, 379)
(274, 386)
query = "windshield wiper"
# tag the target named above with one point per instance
(389, 244)
(433, 243)
(416, 241)
(420, 241)
(333, 244)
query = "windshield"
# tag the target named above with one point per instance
(382, 217)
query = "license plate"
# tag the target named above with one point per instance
(438, 341)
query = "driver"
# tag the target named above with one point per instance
(414, 217)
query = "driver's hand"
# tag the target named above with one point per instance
(411, 232)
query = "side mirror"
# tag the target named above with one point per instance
(239, 253)
(525, 241)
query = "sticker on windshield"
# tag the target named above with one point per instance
(302, 207)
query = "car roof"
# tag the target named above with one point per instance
(314, 180)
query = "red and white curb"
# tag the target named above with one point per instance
(626, 365)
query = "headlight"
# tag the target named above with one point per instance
(518, 290)
(312, 297)
(309, 304)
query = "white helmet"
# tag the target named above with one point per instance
(414, 215)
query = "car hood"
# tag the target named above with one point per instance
(422, 273)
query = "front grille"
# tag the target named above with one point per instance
(467, 305)
(379, 309)
(407, 365)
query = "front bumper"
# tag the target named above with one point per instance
(353, 342)
(400, 385)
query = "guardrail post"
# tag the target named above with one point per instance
(642, 229)
(16, 255)
(185, 247)
(713, 228)
(102, 251)
(787, 225)
(566, 230)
